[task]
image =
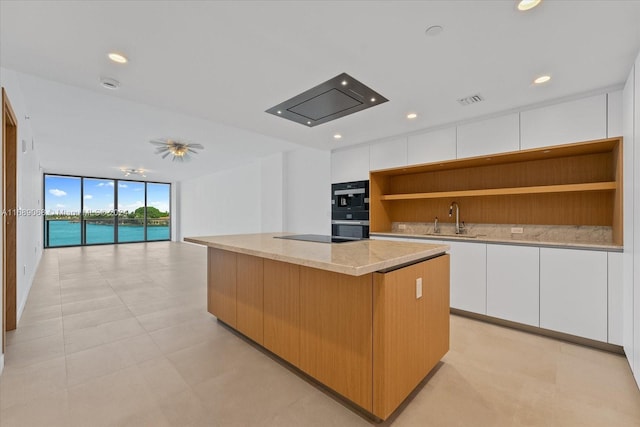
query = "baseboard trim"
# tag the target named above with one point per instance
(587, 342)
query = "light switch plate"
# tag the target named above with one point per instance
(402, 226)
(419, 288)
(517, 230)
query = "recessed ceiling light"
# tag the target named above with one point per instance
(344, 83)
(308, 123)
(433, 30)
(279, 112)
(117, 57)
(528, 4)
(412, 116)
(109, 83)
(337, 136)
(542, 79)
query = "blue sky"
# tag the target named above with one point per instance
(63, 194)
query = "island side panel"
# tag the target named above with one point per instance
(436, 291)
(249, 296)
(221, 285)
(282, 309)
(411, 333)
(336, 332)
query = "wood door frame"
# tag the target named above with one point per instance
(9, 217)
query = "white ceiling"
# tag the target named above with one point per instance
(205, 66)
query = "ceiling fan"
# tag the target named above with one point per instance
(180, 150)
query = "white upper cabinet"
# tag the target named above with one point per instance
(432, 146)
(496, 135)
(614, 114)
(351, 164)
(389, 154)
(575, 121)
(513, 283)
(573, 292)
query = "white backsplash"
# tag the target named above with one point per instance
(544, 233)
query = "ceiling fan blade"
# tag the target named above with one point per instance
(192, 151)
(158, 142)
(164, 156)
(198, 146)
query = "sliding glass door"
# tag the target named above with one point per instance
(92, 211)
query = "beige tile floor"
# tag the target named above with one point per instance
(120, 336)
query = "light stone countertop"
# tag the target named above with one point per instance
(516, 242)
(354, 258)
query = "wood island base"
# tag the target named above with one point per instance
(371, 338)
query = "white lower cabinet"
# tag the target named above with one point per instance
(577, 292)
(573, 292)
(615, 297)
(513, 283)
(469, 276)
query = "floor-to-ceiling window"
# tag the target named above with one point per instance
(89, 211)
(158, 208)
(98, 220)
(131, 211)
(63, 204)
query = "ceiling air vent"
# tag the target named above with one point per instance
(473, 99)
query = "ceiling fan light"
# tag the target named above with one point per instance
(179, 150)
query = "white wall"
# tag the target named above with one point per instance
(29, 227)
(636, 221)
(287, 191)
(227, 202)
(272, 193)
(628, 217)
(307, 194)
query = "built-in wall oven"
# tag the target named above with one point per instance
(350, 209)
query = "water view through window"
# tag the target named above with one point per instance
(81, 211)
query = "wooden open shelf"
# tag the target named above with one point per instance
(573, 184)
(565, 188)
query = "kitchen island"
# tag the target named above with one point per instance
(369, 318)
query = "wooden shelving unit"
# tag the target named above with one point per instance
(574, 184)
(566, 188)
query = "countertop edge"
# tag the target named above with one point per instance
(352, 271)
(539, 244)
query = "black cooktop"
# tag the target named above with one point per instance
(319, 238)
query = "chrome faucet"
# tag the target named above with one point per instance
(436, 229)
(458, 228)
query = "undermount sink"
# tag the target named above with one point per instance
(460, 236)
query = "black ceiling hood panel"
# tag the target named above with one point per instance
(335, 98)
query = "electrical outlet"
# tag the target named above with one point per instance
(517, 230)
(419, 288)
(402, 226)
